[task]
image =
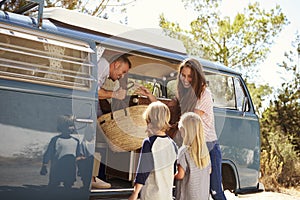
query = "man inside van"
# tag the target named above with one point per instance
(114, 71)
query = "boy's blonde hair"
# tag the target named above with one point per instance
(157, 116)
(194, 139)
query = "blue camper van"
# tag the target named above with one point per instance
(49, 100)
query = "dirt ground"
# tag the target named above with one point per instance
(287, 195)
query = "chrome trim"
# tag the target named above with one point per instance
(89, 121)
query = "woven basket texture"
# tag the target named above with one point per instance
(124, 132)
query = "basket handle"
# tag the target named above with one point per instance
(123, 105)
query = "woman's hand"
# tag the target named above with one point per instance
(145, 92)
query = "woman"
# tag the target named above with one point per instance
(194, 96)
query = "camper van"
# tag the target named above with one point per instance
(49, 100)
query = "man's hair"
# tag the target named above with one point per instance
(121, 58)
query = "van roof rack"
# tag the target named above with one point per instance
(28, 6)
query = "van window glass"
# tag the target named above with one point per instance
(222, 89)
(45, 60)
(146, 83)
(240, 95)
(171, 89)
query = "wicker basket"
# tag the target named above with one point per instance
(124, 129)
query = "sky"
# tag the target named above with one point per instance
(144, 14)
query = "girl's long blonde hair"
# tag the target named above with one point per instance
(194, 140)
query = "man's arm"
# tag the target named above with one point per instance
(107, 94)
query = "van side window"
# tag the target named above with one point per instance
(171, 89)
(222, 89)
(45, 60)
(154, 87)
(240, 95)
(157, 89)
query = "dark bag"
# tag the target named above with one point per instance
(175, 116)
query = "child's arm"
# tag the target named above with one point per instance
(180, 173)
(136, 190)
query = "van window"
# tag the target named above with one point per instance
(45, 60)
(171, 89)
(222, 89)
(240, 95)
(227, 91)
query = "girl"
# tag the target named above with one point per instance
(193, 176)
(157, 160)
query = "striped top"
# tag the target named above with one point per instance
(195, 184)
(205, 104)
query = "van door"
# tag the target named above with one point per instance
(237, 126)
(48, 98)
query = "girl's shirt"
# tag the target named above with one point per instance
(205, 104)
(195, 184)
(156, 167)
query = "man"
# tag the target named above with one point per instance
(113, 71)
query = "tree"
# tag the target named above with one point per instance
(280, 131)
(258, 94)
(242, 42)
(102, 8)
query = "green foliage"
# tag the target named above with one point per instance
(243, 41)
(91, 7)
(13, 5)
(258, 94)
(280, 133)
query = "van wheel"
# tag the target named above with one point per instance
(228, 178)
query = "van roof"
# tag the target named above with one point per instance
(106, 27)
(103, 26)
(216, 66)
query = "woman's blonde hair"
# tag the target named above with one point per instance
(194, 140)
(157, 116)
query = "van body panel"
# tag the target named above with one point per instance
(240, 142)
(32, 97)
(28, 121)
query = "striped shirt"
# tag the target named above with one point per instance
(195, 184)
(205, 104)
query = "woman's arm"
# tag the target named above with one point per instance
(199, 112)
(180, 173)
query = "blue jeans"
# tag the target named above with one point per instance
(216, 189)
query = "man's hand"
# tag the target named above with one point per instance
(119, 94)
